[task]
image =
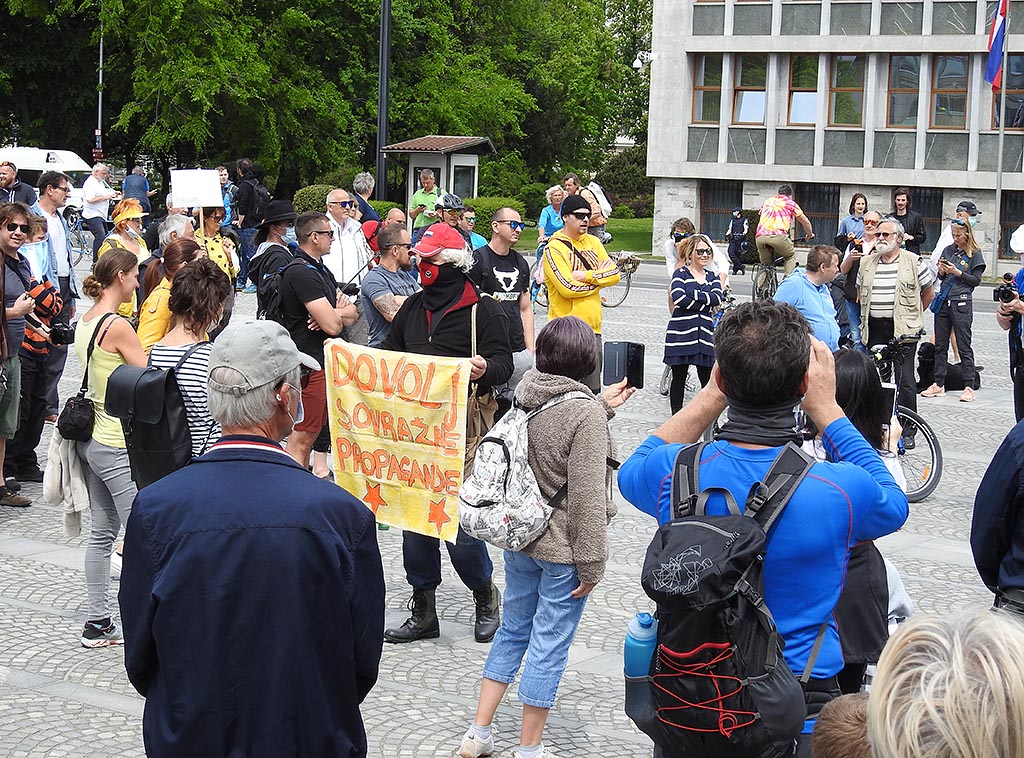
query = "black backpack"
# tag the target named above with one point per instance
(719, 685)
(152, 411)
(260, 200)
(269, 291)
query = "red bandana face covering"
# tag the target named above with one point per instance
(428, 272)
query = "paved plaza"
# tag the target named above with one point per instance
(58, 699)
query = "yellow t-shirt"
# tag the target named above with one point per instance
(106, 429)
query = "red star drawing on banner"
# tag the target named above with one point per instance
(373, 497)
(438, 516)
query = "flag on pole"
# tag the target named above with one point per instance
(996, 40)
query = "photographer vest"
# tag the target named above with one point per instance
(907, 310)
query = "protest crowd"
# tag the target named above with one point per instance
(771, 638)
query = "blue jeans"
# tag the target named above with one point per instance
(247, 251)
(539, 617)
(853, 315)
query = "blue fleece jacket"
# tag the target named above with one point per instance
(836, 506)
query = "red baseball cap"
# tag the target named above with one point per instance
(439, 237)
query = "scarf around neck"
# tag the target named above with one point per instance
(773, 425)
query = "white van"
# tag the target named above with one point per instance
(32, 162)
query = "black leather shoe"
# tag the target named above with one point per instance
(909, 443)
(422, 624)
(488, 613)
(30, 474)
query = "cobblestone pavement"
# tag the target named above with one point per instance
(57, 699)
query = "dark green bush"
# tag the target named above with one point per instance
(532, 196)
(311, 198)
(623, 211)
(625, 174)
(502, 176)
(486, 206)
(383, 206)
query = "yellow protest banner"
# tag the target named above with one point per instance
(398, 424)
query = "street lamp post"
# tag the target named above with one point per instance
(384, 73)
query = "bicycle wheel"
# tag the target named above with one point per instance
(922, 466)
(80, 242)
(760, 279)
(614, 296)
(666, 381)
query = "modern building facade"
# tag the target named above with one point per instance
(832, 97)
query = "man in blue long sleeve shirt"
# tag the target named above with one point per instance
(766, 362)
(997, 529)
(809, 293)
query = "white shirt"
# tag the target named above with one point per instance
(93, 187)
(59, 243)
(349, 252)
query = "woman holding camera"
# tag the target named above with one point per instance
(960, 268)
(1008, 316)
(695, 294)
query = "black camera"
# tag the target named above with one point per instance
(61, 333)
(1005, 292)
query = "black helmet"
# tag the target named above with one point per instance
(450, 202)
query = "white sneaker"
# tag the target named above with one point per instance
(474, 747)
(545, 753)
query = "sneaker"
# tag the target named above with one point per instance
(14, 501)
(30, 474)
(544, 753)
(474, 747)
(967, 396)
(239, 286)
(250, 290)
(94, 635)
(934, 391)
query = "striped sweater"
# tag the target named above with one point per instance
(689, 338)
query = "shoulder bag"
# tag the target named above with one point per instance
(76, 420)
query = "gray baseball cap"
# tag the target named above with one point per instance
(261, 351)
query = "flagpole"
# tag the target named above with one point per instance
(994, 270)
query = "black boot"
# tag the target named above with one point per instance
(488, 612)
(422, 624)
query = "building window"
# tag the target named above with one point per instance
(751, 78)
(904, 86)
(846, 93)
(1014, 95)
(803, 89)
(707, 90)
(949, 92)
(717, 199)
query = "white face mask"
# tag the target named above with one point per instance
(299, 411)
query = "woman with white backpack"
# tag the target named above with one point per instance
(547, 582)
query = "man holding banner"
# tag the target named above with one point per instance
(450, 318)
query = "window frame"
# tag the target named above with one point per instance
(792, 89)
(699, 89)
(1015, 91)
(935, 91)
(833, 89)
(738, 88)
(901, 91)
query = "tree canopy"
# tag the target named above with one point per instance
(293, 85)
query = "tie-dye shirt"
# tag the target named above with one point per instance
(777, 216)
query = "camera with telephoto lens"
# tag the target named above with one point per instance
(1005, 292)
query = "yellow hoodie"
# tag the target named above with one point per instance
(568, 296)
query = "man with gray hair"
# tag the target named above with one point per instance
(349, 258)
(449, 317)
(423, 210)
(895, 287)
(97, 194)
(362, 187)
(287, 619)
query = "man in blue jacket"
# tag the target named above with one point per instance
(997, 529)
(808, 291)
(252, 592)
(768, 368)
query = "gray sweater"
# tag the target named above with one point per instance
(570, 442)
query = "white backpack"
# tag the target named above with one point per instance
(602, 199)
(500, 502)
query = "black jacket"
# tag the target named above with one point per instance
(997, 528)
(451, 335)
(19, 192)
(913, 225)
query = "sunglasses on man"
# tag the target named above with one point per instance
(516, 226)
(581, 215)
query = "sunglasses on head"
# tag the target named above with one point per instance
(958, 222)
(13, 227)
(680, 236)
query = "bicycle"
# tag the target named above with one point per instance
(765, 279)
(615, 295)
(728, 303)
(79, 237)
(921, 461)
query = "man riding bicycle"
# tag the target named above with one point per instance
(773, 240)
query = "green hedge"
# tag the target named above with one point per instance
(311, 198)
(486, 206)
(383, 206)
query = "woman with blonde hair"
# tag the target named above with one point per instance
(961, 266)
(155, 316)
(113, 282)
(694, 295)
(127, 234)
(950, 687)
